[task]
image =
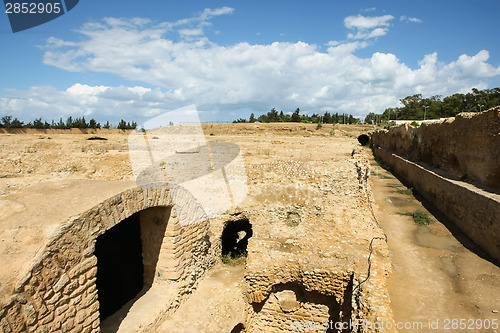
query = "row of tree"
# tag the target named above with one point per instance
(7, 122)
(417, 108)
(274, 117)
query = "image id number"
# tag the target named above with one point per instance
(32, 8)
(470, 324)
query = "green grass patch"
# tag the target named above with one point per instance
(419, 217)
(406, 191)
(397, 187)
(234, 260)
(383, 165)
(382, 176)
(69, 169)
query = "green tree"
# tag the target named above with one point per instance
(38, 123)
(296, 116)
(370, 118)
(122, 124)
(272, 116)
(6, 121)
(16, 123)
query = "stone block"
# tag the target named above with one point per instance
(71, 287)
(91, 273)
(61, 309)
(47, 319)
(76, 300)
(83, 267)
(29, 313)
(54, 299)
(4, 326)
(61, 283)
(91, 318)
(80, 316)
(87, 329)
(68, 324)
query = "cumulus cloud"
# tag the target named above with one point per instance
(100, 102)
(242, 76)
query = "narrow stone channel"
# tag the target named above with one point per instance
(438, 274)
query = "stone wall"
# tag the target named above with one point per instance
(291, 309)
(58, 291)
(466, 147)
(475, 211)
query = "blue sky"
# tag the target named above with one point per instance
(137, 59)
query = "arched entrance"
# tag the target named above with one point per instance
(127, 255)
(120, 270)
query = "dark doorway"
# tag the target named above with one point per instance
(238, 328)
(363, 139)
(120, 268)
(235, 238)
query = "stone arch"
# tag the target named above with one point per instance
(58, 290)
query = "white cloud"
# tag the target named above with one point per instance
(410, 19)
(361, 22)
(475, 66)
(191, 32)
(366, 27)
(367, 34)
(234, 77)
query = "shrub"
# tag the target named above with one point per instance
(234, 260)
(407, 191)
(419, 217)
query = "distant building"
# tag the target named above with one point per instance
(399, 122)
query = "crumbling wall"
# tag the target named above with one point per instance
(291, 309)
(58, 291)
(468, 146)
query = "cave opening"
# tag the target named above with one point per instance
(363, 139)
(238, 328)
(120, 269)
(235, 236)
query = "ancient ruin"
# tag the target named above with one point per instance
(85, 249)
